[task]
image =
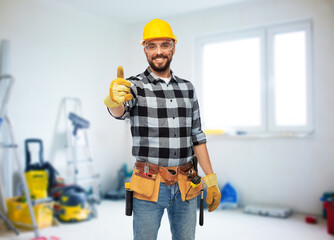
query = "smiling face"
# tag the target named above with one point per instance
(159, 54)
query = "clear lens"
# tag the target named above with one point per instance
(164, 47)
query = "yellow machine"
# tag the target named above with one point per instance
(37, 181)
(74, 205)
(41, 175)
(36, 175)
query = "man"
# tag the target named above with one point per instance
(167, 135)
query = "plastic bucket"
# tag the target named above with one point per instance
(19, 215)
(329, 206)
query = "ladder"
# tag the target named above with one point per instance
(79, 159)
(3, 120)
(7, 81)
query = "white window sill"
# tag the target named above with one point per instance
(253, 135)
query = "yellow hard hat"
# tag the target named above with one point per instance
(157, 29)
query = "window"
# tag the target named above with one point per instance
(257, 80)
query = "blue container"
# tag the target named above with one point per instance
(229, 197)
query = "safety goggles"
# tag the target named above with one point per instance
(164, 47)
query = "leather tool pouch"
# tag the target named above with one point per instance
(184, 186)
(145, 187)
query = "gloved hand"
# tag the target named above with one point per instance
(213, 194)
(119, 90)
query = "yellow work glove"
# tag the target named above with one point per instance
(213, 194)
(119, 90)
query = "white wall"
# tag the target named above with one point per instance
(56, 52)
(284, 172)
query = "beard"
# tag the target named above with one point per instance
(160, 67)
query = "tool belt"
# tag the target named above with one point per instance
(146, 179)
(169, 175)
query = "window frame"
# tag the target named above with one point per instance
(266, 35)
(289, 28)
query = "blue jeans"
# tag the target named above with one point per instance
(182, 215)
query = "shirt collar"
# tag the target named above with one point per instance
(152, 78)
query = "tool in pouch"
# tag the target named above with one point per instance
(129, 193)
(144, 172)
(195, 181)
(143, 182)
(147, 170)
(128, 199)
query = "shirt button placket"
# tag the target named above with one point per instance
(174, 123)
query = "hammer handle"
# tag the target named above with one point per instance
(201, 210)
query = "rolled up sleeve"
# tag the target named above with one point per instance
(198, 136)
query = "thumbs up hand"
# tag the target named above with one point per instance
(119, 90)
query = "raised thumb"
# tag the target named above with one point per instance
(120, 72)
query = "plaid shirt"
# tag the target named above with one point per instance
(165, 119)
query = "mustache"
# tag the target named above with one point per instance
(159, 56)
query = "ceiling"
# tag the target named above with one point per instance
(132, 11)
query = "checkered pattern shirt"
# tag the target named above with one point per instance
(165, 119)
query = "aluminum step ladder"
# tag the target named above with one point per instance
(6, 81)
(79, 160)
(9, 144)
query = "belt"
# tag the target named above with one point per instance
(169, 174)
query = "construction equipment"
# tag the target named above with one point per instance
(41, 175)
(75, 205)
(5, 86)
(12, 145)
(6, 82)
(2, 216)
(79, 159)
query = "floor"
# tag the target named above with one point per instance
(112, 224)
